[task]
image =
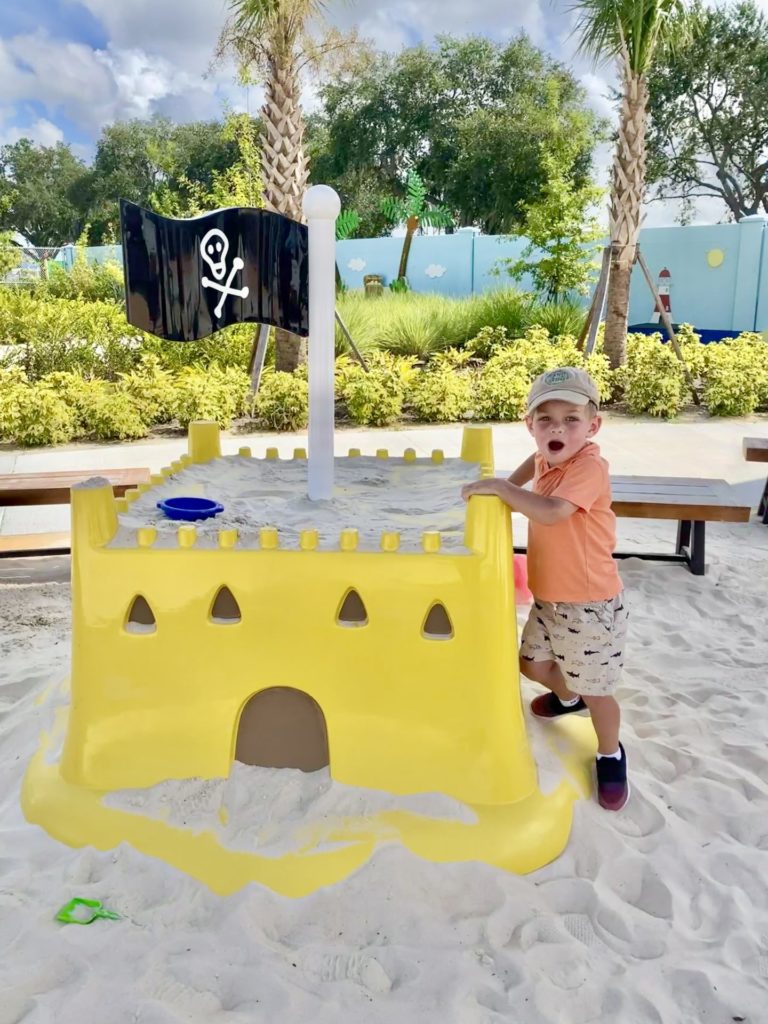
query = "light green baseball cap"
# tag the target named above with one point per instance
(567, 384)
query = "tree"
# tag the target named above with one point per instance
(239, 184)
(35, 187)
(634, 33)
(559, 230)
(708, 110)
(470, 116)
(270, 40)
(414, 210)
(152, 162)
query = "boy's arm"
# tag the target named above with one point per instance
(538, 507)
(524, 472)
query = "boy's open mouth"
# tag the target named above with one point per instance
(555, 446)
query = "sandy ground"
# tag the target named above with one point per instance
(655, 915)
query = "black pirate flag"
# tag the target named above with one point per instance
(185, 279)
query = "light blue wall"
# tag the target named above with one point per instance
(730, 296)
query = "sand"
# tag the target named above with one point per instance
(655, 915)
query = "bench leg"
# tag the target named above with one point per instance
(692, 551)
(762, 508)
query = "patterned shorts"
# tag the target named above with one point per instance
(587, 641)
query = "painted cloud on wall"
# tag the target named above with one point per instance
(435, 270)
(357, 264)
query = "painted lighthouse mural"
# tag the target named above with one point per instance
(663, 286)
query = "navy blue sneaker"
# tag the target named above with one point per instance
(612, 785)
(549, 705)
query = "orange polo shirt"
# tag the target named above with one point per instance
(572, 560)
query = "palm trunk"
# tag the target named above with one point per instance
(286, 172)
(626, 202)
(411, 227)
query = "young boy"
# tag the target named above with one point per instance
(573, 642)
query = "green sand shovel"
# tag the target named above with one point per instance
(80, 911)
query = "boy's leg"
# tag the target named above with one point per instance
(606, 718)
(548, 674)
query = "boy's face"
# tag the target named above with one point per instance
(560, 429)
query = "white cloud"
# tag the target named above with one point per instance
(357, 265)
(435, 270)
(42, 131)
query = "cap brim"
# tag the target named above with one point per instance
(560, 396)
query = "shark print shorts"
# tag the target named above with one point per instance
(586, 640)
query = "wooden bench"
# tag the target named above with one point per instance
(691, 502)
(756, 450)
(17, 489)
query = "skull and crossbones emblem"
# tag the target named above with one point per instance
(214, 248)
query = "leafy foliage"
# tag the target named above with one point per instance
(282, 402)
(559, 256)
(441, 394)
(708, 131)
(374, 398)
(468, 115)
(652, 380)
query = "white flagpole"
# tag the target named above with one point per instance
(321, 208)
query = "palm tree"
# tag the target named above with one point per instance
(414, 210)
(632, 32)
(270, 42)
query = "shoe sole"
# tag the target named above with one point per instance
(614, 810)
(584, 712)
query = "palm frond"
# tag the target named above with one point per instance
(633, 30)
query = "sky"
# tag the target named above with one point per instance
(68, 67)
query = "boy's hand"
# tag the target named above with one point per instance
(488, 486)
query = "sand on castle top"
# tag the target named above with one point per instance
(370, 494)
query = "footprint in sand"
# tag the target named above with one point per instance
(365, 970)
(639, 818)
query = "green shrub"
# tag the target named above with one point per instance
(151, 388)
(78, 394)
(282, 402)
(441, 394)
(210, 393)
(92, 338)
(652, 380)
(735, 374)
(500, 391)
(13, 382)
(114, 416)
(694, 353)
(229, 347)
(374, 398)
(488, 341)
(41, 418)
(91, 282)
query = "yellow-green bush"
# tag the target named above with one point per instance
(653, 380)
(374, 398)
(500, 391)
(42, 418)
(114, 416)
(441, 394)
(210, 393)
(735, 374)
(152, 389)
(282, 402)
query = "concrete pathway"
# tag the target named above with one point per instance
(693, 446)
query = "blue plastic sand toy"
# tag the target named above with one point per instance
(190, 509)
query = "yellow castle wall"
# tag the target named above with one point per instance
(404, 713)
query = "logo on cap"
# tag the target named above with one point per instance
(557, 377)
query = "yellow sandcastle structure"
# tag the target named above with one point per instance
(398, 668)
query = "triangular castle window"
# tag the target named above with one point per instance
(437, 625)
(352, 612)
(225, 610)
